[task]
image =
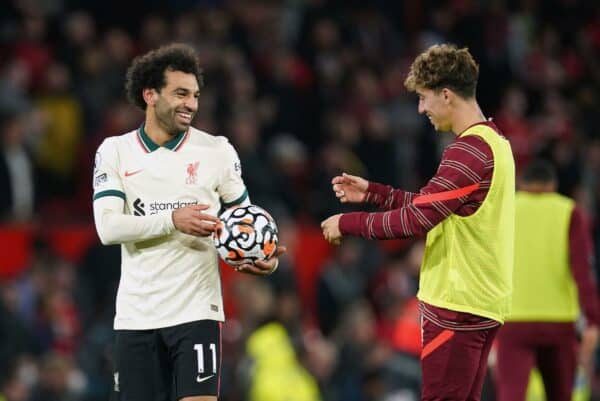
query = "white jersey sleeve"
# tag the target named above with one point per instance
(112, 224)
(232, 189)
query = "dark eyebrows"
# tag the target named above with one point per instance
(185, 90)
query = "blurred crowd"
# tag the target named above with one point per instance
(304, 89)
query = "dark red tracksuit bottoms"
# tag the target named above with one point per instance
(454, 362)
(549, 346)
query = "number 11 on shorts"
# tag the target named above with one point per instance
(199, 348)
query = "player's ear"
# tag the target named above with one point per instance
(447, 95)
(150, 96)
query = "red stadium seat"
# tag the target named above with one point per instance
(16, 244)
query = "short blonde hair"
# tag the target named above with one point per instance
(444, 66)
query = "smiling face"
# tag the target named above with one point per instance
(177, 102)
(436, 106)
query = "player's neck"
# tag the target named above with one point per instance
(466, 115)
(155, 132)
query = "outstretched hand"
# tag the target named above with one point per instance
(350, 188)
(263, 267)
(331, 229)
(191, 220)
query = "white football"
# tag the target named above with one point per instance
(245, 234)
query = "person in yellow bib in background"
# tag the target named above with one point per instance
(553, 285)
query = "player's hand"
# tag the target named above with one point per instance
(193, 221)
(587, 348)
(331, 229)
(263, 267)
(350, 188)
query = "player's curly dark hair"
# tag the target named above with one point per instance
(444, 66)
(148, 70)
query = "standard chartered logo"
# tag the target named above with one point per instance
(140, 208)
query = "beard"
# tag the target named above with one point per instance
(169, 120)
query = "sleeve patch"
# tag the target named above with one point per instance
(100, 179)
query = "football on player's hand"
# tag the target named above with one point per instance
(245, 234)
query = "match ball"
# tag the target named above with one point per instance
(245, 234)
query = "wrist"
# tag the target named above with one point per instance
(377, 188)
(170, 221)
(350, 223)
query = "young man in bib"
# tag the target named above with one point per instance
(467, 212)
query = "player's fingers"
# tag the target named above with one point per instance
(196, 232)
(201, 220)
(252, 269)
(339, 190)
(200, 206)
(202, 233)
(338, 179)
(349, 178)
(324, 224)
(244, 268)
(208, 226)
(218, 226)
(209, 217)
(262, 265)
(199, 228)
(280, 250)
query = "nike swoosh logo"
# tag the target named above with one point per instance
(202, 379)
(134, 172)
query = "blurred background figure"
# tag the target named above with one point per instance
(17, 171)
(553, 249)
(305, 90)
(273, 363)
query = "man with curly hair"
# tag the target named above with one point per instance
(157, 190)
(466, 210)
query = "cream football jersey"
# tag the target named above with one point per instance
(167, 277)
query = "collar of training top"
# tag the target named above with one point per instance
(149, 146)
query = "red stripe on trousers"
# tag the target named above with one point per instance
(437, 342)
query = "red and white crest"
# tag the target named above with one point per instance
(192, 173)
